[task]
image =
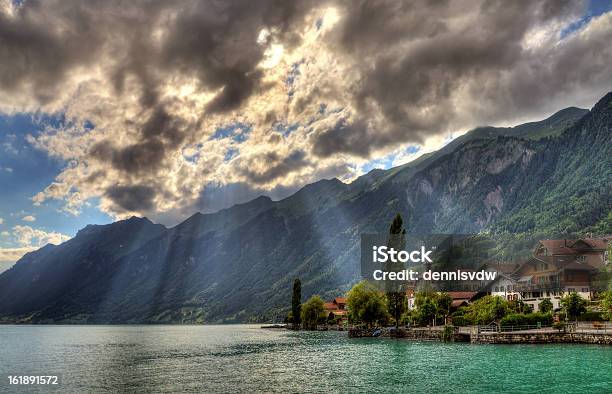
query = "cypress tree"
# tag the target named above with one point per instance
(396, 299)
(296, 303)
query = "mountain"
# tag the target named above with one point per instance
(237, 265)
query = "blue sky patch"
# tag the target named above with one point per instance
(25, 171)
(595, 8)
(239, 132)
(286, 129)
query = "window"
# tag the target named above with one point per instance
(571, 290)
(497, 289)
(585, 289)
(582, 258)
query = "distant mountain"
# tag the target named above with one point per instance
(236, 265)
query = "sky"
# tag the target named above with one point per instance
(110, 109)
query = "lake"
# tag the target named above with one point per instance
(245, 358)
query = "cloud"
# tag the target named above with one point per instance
(10, 255)
(131, 198)
(472, 66)
(147, 88)
(27, 236)
(28, 218)
(270, 166)
(1, 220)
(28, 239)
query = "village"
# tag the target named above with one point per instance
(559, 294)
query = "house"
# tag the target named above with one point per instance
(336, 308)
(340, 302)
(558, 267)
(462, 298)
(505, 286)
(411, 299)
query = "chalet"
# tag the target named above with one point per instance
(557, 267)
(340, 302)
(505, 286)
(462, 298)
(336, 308)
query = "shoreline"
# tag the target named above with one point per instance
(476, 337)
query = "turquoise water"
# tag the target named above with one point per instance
(246, 358)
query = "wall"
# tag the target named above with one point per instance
(540, 337)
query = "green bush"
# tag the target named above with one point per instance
(486, 310)
(545, 306)
(591, 316)
(447, 334)
(312, 312)
(460, 320)
(531, 319)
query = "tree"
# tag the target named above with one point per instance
(296, 303)
(499, 308)
(486, 310)
(545, 306)
(574, 305)
(396, 300)
(426, 309)
(366, 304)
(312, 312)
(519, 306)
(444, 302)
(606, 304)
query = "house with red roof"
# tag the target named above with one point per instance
(336, 308)
(462, 298)
(556, 268)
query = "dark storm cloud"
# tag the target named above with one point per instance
(33, 51)
(131, 198)
(44, 42)
(413, 69)
(214, 41)
(137, 159)
(343, 137)
(160, 133)
(418, 55)
(276, 167)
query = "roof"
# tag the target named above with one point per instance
(339, 313)
(462, 295)
(340, 300)
(558, 246)
(594, 243)
(457, 303)
(573, 246)
(330, 306)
